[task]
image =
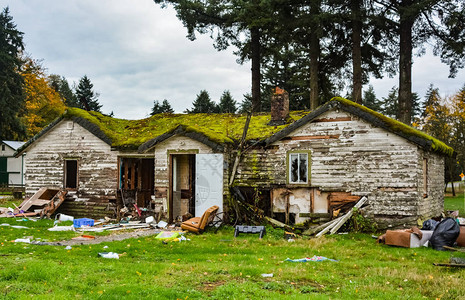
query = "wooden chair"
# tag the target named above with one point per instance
(198, 224)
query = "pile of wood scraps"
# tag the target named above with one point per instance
(334, 225)
(43, 203)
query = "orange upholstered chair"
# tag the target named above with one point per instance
(198, 224)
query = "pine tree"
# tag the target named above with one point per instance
(11, 93)
(203, 104)
(370, 100)
(227, 103)
(61, 86)
(86, 96)
(390, 103)
(158, 108)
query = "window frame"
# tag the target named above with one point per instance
(289, 154)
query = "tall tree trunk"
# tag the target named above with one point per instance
(356, 51)
(314, 53)
(256, 76)
(404, 113)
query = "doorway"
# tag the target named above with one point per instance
(182, 186)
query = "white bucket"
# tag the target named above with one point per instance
(64, 217)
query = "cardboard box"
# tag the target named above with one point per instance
(407, 239)
(461, 239)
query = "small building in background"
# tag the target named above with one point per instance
(11, 167)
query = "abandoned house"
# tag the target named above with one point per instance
(11, 167)
(300, 164)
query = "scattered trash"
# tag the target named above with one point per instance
(68, 248)
(181, 238)
(289, 235)
(14, 226)
(445, 234)
(109, 255)
(429, 224)
(61, 228)
(63, 217)
(168, 235)
(408, 238)
(149, 220)
(307, 259)
(162, 224)
(105, 247)
(28, 241)
(84, 237)
(250, 229)
(291, 240)
(267, 275)
(197, 224)
(83, 222)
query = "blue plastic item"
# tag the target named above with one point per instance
(83, 222)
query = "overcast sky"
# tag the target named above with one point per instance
(134, 52)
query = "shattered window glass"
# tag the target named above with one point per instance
(303, 167)
(294, 167)
(298, 172)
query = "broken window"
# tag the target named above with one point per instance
(298, 167)
(71, 174)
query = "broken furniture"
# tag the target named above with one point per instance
(249, 229)
(198, 224)
(44, 202)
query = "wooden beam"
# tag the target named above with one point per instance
(311, 137)
(339, 119)
(348, 215)
(314, 215)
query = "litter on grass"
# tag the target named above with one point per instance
(61, 228)
(307, 259)
(109, 255)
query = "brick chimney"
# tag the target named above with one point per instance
(279, 107)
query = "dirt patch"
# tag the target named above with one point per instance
(210, 286)
(117, 236)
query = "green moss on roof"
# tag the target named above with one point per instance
(220, 128)
(399, 127)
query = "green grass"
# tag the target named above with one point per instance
(219, 266)
(455, 203)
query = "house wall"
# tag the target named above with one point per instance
(14, 166)
(351, 155)
(97, 164)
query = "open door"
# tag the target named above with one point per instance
(208, 182)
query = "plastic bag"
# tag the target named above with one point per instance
(445, 234)
(429, 224)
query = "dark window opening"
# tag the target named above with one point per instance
(71, 172)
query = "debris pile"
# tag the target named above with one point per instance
(43, 204)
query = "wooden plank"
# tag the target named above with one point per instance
(348, 215)
(278, 223)
(338, 119)
(327, 228)
(311, 137)
(312, 230)
(450, 265)
(314, 215)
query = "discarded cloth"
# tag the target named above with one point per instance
(109, 255)
(307, 259)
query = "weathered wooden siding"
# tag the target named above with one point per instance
(351, 155)
(97, 164)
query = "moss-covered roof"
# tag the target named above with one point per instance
(219, 129)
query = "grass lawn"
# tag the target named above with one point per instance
(219, 266)
(455, 203)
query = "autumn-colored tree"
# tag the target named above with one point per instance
(458, 127)
(43, 103)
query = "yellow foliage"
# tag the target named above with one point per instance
(43, 103)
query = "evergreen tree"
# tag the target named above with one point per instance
(203, 104)
(390, 103)
(87, 98)
(370, 100)
(158, 108)
(441, 22)
(11, 94)
(246, 105)
(61, 86)
(227, 103)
